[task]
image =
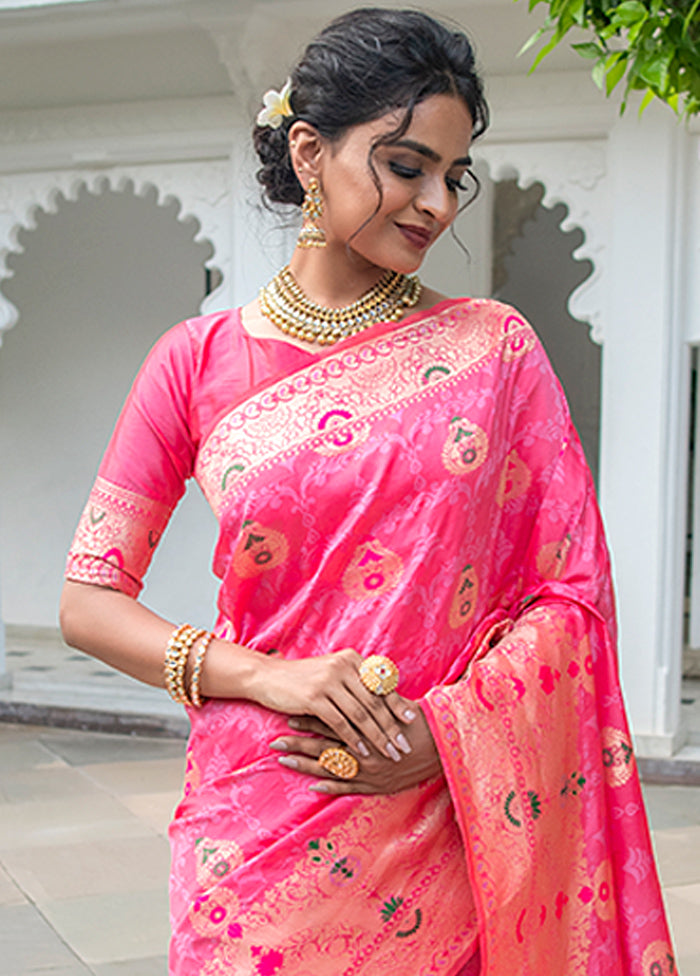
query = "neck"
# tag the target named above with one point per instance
(333, 276)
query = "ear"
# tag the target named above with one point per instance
(306, 149)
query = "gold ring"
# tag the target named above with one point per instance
(379, 674)
(339, 762)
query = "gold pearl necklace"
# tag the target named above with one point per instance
(285, 304)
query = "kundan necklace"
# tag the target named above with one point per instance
(286, 305)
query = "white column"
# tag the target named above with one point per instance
(3, 658)
(4, 677)
(691, 310)
(644, 417)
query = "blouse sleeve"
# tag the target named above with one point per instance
(142, 475)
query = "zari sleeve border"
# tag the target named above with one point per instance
(116, 537)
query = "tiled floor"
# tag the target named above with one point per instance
(84, 855)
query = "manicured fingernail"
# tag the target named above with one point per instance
(279, 744)
(319, 788)
(289, 761)
(402, 743)
(409, 714)
(293, 723)
(392, 751)
(362, 749)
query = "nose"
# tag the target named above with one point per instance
(435, 199)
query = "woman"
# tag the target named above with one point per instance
(398, 484)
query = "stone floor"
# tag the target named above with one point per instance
(83, 850)
(84, 855)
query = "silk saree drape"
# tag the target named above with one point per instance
(417, 491)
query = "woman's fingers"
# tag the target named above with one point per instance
(402, 708)
(353, 725)
(301, 753)
(302, 745)
(309, 723)
(369, 714)
(376, 774)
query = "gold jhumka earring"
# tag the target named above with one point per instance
(311, 235)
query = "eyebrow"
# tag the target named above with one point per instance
(429, 153)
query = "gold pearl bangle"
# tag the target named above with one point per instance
(172, 656)
(195, 694)
(176, 655)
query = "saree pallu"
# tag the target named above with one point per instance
(419, 492)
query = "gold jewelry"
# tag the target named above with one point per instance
(339, 762)
(195, 694)
(311, 235)
(176, 654)
(379, 674)
(286, 306)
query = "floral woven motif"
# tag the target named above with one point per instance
(417, 492)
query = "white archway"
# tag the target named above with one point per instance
(202, 190)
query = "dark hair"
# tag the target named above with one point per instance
(361, 66)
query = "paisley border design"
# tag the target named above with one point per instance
(275, 422)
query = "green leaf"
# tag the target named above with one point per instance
(577, 11)
(689, 19)
(630, 12)
(598, 73)
(654, 45)
(615, 74)
(647, 100)
(549, 46)
(533, 39)
(653, 69)
(589, 50)
(645, 27)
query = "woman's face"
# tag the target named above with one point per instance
(421, 175)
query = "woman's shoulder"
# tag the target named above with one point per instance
(193, 339)
(202, 330)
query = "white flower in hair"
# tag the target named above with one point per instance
(277, 106)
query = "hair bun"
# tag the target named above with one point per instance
(276, 175)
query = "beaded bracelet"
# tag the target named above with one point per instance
(195, 695)
(176, 655)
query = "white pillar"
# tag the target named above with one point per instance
(3, 657)
(4, 677)
(644, 417)
(691, 314)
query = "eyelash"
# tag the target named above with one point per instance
(408, 173)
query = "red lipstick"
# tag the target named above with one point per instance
(419, 237)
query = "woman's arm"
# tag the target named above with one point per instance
(123, 633)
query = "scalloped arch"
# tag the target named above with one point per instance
(572, 173)
(202, 191)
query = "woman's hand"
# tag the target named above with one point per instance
(376, 775)
(329, 689)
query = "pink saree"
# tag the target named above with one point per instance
(417, 491)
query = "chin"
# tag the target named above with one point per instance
(405, 265)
